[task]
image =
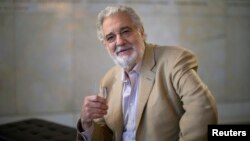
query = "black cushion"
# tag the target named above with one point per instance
(36, 130)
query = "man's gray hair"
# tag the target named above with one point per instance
(112, 10)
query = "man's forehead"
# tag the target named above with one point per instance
(116, 23)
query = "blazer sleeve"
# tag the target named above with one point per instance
(198, 103)
(101, 132)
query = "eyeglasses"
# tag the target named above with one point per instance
(124, 32)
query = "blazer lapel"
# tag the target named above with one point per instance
(146, 82)
(115, 118)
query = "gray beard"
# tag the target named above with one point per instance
(125, 63)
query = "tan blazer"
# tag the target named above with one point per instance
(173, 103)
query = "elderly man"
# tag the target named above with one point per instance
(152, 94)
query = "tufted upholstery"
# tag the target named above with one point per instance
(36, 130)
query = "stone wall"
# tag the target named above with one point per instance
(50, 57)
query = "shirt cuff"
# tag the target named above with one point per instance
(87, 134)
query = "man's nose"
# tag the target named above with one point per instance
(120, 40)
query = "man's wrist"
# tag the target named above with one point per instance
(86, 124)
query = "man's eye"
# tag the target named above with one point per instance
(110, 38)
(126, 31)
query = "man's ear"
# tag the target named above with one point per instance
(142, 32)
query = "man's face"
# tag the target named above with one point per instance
(124, 42)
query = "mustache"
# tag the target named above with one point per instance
(119, 49)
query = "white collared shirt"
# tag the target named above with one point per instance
(129, 104)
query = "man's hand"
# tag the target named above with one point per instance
(93, 107)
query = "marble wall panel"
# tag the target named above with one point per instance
(7, 64)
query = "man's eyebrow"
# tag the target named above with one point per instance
(126, 27)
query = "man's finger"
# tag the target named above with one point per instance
(96, 98)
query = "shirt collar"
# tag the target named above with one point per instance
(136, 69)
